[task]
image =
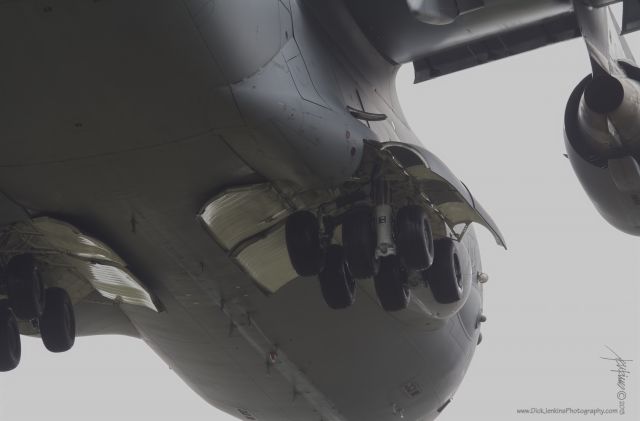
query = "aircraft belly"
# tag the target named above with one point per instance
(120, 120)
(287, 356)
(93, 78)
(369, 364)
(200, 344)
(218, 328)
(148, 213)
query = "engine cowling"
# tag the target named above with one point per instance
(602, 136)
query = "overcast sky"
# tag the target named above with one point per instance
(566, 289)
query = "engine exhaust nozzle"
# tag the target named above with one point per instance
(604, 94)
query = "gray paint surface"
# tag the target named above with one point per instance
(160, 235)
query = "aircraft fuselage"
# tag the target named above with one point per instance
(124, 118)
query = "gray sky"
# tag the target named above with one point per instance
(567, 287)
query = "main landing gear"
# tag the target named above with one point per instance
(378, 244)
(28, 300)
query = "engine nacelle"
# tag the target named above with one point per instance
(602, 136)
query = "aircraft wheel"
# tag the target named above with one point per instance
(58, 324)
(444, 277)
(337, 285)
(414, 238)
(359, 241)
(10, 348)
(24, 287)
(391, 284)
(302, 233)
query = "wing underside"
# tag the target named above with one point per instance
(492, 30)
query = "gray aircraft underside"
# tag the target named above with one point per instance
(153, 153)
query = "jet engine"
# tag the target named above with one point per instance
(602, 136)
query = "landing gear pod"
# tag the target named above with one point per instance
(400, 203)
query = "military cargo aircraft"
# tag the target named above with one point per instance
(220, 178)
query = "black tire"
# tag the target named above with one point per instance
(359, 242)
(337, 285)
(24, 287)
(391, 284)
(10, 347)
(58, 324)
(302, 234)
(444, 277)
(414, 238)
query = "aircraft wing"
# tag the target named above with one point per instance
(445, 36)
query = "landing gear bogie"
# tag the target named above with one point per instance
(376, 243)
(50, 310)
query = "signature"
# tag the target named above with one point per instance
(622, 373)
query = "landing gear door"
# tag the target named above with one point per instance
(446, 195)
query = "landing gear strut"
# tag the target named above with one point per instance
(404, 243)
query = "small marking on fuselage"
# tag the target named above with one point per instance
(412, 389)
